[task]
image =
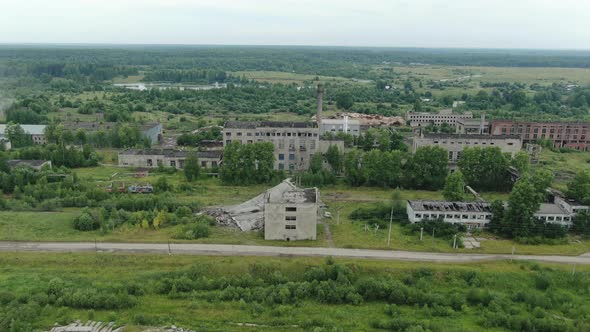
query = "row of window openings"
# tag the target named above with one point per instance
(276, 134)
(544, 130)
(302, 146)
(469, 143)
(553, 218)
(453, 216)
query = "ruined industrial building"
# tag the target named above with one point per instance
(285, 212)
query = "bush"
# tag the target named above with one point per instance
(194, 231)
(86, 222)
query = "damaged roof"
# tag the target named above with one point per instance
(444, 206)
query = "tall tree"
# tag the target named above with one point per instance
(454, 190)
(428, 168)
(521, 162)
(334, 158)
(344, 100)
(523, 202)
(579, 187)
(485, 168)
(353, 168)
(192, 169)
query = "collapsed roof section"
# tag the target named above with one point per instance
(249, 215)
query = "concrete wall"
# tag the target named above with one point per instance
(293, 147)
(150, 161)
(276, 224)
(455, 145)
(469, 219)
(154, 133)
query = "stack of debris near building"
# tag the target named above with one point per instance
(285, 212)
(90, 326)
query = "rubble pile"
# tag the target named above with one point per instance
(249, 215)
(90, 326)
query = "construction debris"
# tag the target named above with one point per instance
(375, 120)
(90, 326)
(248, 215)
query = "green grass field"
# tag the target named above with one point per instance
(28, 274)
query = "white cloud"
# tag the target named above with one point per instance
(423, 23)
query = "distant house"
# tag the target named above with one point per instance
(151, 158)
(37, 132)
(34, 164)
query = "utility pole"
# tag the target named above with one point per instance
(421, 232)
(433, 237)
(455, 242)
(390, 223)
(574, 269)
(169, 251)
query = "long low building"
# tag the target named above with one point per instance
(456, 143)
(423, 119)
(476, 215)
(151, 158)
(471, 214)
(574, 135)
(37, 132)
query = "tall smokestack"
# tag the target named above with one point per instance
(320, 96)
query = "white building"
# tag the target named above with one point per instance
(37, 132)
(561, 211)
(455, 143)
(422, 119)
(342, 125)
(470, 214)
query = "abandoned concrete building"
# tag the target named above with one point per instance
(574, 135)
(285, 212)
(36, 165)
(473, 126)
(37, 132)
(344, 125)
(473, 215)
(456, 143)
(151, 131)
(559, 209)
(422, 119)
(151, 158)
(291, 214)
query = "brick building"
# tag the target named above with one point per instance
(574, 135)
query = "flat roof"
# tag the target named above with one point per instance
(444, 206)
(155, 152)
(550, 208)
(29, 129)
(468, 136)
(341, 121)
(32, 163)
(268, 124)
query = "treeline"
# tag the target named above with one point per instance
(248, 164)
(188, 76)
(119, 136)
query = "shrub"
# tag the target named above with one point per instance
(86, 222)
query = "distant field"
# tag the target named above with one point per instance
(563, 165)
(287, 78)
(543, 76)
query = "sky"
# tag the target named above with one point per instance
(540, 24)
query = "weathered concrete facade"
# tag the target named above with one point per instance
(294, 142)
(471, 214)
(291, 215)
(151, 158)
(343, 125)
(456, 143)
(422, 119)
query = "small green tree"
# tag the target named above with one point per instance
(344, 100)
(579, 187)
(334, 158)
(454, 189)
(192, 169)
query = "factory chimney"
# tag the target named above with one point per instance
(320, 96)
